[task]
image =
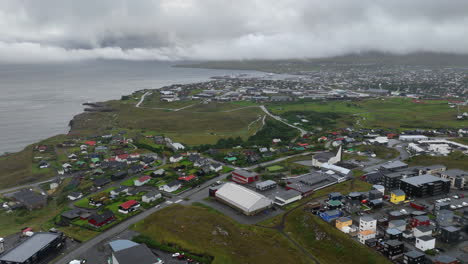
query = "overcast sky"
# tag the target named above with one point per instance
(64, 30)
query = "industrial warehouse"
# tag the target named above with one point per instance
(247, 201)
(33, 249)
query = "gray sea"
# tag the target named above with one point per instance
(37, 101)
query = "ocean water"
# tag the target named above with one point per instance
(37, 101)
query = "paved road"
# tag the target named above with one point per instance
(142, 99)
(35, 184)
(303, 132)
(266, 163)
(84, 247)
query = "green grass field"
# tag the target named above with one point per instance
(328, 244)
(455, 160)
(188, 127)
(202, 231)
(37, 219)
(395, 113)
(20, 168)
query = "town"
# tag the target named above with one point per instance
(382, 187)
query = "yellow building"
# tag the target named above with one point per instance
(343, 222)
(397, 196)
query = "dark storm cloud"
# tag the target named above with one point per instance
(56, 30)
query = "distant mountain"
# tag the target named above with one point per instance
(429, 59)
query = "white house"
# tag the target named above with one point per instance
(422, 230)
(216, 167)
(142, 180)
(176, 158)
(74, 196)
(176, 146)
(425, 243)
(367, 223)
(365, 235)
(151, 196)
(171, 187)
(367, 228)
(379, 141)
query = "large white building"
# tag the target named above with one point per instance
(412, 138)
(245, 200)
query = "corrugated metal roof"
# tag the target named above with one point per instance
(29, 247)
(243, 198)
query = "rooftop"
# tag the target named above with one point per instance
(29, 247)
(242, 197)
(414, 254)
(423, 179)
(140, 254)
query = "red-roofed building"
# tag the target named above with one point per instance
(334, 133)
(392, 135)
(302, 144)
(420, 220)
(90, 143)
(129, 206)
(42, 148)
(142, 180)
(122, 157)
(26, 230)
(324, 138)
(187, 178)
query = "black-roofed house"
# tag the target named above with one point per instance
(450, 234)
(119, 175)
(98, 220)
(373, 177)
(101, 182)
(68, 216)
(130, 253)
(30, 199)
(414, 257)
(445, 259)
(393, 249)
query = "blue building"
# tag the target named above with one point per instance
(330, 215)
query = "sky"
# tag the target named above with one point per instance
(68, 30)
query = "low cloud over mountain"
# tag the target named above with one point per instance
(65, 30)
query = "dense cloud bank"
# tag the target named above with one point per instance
(67, 30)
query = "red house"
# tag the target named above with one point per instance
(243, 176)
(187, 178)
(420, 220)
(90, 143)
(128, 206)
(98, 220)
